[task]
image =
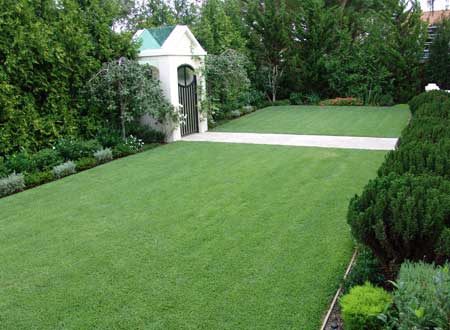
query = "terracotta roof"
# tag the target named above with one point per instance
(433, 17)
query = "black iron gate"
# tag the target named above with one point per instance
(187, 96)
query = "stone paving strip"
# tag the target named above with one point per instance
(321, 141)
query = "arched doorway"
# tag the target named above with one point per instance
(187, 95)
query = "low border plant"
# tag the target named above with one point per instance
(64, 169)
(103, 155)
(11, 184)
(362, 306)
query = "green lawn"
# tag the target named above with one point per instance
(316, 120)
(185, 236)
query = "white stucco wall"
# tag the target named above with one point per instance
(168, 76)
(180, 48)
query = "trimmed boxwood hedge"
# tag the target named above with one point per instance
(404, 214)
(403, 218)
(419, 157)
(427, 97)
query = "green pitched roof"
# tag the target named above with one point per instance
(154, 38)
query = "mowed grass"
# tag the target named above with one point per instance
(317, 120)
(185, 236)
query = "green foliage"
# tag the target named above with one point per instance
(3, 169)
(108, 137)
(46, 159)
(130, 146)
(48, 50)
(419, 157)
(422, 298)
(73, 149)
(296, 98)
(11, 184)
(226, 82)
(438, 65)
(85, 163)
(64, 169)
(103, 155)
(361, 307)
(158, 13)
(20, 162)
(279, 103)
(148, 134)
(253, 97)
(402, 217)
(301, 98)
(38, 178)
(365, 269)
(216, 30)
(427, 97)
(124, 90)
(269, 38)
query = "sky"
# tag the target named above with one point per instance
(438, 5)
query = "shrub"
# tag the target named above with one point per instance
(130, 146)
(3, 170)
(103, 155)
(436, 109)
(342, 101)
(148, 134)
(11, 184)
(311, 99)
(422, 297)
(427, 97)
(108, 138)
(38, 178)
(254, 97)
(64, 169)
(296, 98)
(365, 269)
(73, 149)
(429, 129)
(361, 307)
(419, 158)
(279, 103)
(386, 100)
(235, 114)
(20, 162)
(46, 159)
(402, 217)
(85, 163)
(247, 109)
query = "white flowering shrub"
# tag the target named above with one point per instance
(134, 143)
(64, 169)
(103, 155)
(11, 184)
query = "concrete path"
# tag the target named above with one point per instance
(323, 141)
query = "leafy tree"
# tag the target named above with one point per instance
(407, 44)
(269, 40)
(48, 50)
(124, 90)
(215, 30)
(226, 81)
(438, 65)
(157, 13)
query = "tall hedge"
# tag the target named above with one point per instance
(48, 50)
(403, 218)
